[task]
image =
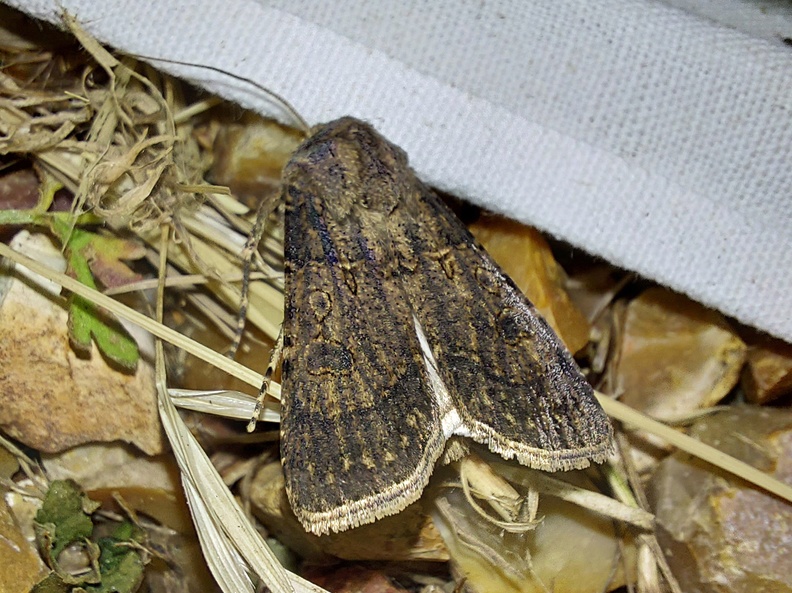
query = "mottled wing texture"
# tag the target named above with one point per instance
(359, 432)
(514, 384)
(373, 259)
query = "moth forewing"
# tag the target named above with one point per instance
(400, 332)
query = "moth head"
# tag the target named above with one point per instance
(349, 160)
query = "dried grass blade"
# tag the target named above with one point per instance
(626, 414)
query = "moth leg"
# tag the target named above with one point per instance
(276, 355)
(249, 252)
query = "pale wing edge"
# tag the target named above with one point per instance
(390, 501)
(537, 457)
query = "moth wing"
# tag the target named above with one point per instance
(514, 385)
(359, 431)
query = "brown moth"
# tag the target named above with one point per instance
(400, 333)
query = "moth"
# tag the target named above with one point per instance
(400, 333)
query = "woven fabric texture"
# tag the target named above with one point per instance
(655, 138)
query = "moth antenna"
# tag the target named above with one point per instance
(287, 107)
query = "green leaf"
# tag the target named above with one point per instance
(44, 219)
(52, 583)
(40, 215)
(121, 567)
(64, 517)
(88, 322)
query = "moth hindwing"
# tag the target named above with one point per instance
(400, 332)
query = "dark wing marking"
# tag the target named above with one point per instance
(514, 385)
(360, 433)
